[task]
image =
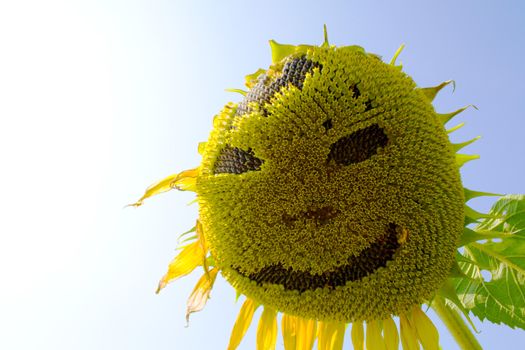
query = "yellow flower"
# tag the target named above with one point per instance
(331, 196)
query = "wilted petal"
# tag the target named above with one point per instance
(201, 292)
(244, 319)
(267, 330)
(183, 181)
(186, 180)
(188, 259)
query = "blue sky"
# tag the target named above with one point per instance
(100, 98)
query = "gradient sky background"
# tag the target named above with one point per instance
(98, 99)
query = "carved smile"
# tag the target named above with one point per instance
(357, 267)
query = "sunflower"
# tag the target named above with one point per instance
(331, 197)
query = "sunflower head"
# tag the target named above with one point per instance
(332, 181)
(331, 193)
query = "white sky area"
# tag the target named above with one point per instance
(98, 99)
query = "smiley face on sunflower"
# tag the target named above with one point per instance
(330, 194)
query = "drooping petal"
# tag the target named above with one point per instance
(339, 336)
(323, 335)
(161, 186)
(408, 334)
(188, 259)
(202, 243)
(201, 292)
(244, 319)
(267, 330)
(306, 332)
(330, 335)
(425, 329)
(183, 181)
(289, 330)
(374, 339)
(358, 336)
(390, 334)
(186, 180)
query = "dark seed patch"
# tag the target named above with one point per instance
(294, 72)
(320, 216)
(358, 146)
(233, 160)
(367, 262)
(328, 124)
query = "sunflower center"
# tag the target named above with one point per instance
(356, 267)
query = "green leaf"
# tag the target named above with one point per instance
(496, 288)
(508, 215)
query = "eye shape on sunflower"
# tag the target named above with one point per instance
(293, 73)
(358, 146)
(234, 160)
(331, 193)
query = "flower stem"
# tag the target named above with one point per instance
(456, 325)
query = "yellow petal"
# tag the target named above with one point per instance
(183, 181)
(323, 336)
(201, 292)
(358, 336)
(374, 339)
(267, 330)
(425, 329)
(339, 336)
(202, 243)
(408, 334)
(289, 330)
(244, 319)
(186, 180)
(330, 335)
(390, 334)
(306, 332)
(188, 259)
